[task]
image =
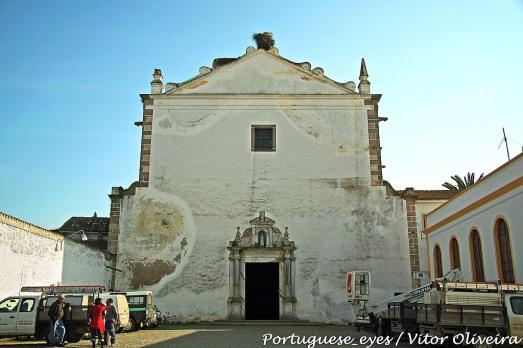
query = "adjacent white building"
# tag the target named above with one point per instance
(480, 230)
(32, 256)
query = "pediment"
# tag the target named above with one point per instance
(262, 234)
(262, 221)
(261, 72)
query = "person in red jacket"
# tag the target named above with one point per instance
(97, 322)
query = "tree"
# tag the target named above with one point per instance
(461, 184)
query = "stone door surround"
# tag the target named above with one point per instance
(261, 242)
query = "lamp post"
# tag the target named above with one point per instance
(83, 237)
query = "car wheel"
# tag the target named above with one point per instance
(135, 326)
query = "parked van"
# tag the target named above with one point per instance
(122, 307)
(26, 314)
(144, 312)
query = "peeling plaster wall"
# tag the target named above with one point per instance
(27, 259)
(84, 265)
(155, 228)
(317, 183)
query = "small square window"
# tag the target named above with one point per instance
(263, 138)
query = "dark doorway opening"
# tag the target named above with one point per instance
(262, 291)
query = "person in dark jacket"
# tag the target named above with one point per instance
(56, 314)
(111, 320)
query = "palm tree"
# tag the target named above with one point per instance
(461, 184)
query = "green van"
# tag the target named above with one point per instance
(142, 311)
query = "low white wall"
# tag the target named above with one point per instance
(30, 255)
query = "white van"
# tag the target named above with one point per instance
(120, 302)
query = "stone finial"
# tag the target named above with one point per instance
(363, 70)
(351, 86)
(306, 65)
(286, 234)
(157, 75)
(170, 86)
(204, 70)
(238, 237)
(156, 83)
(275, 51)
(364, 85)
(318, 71)
(250, 50)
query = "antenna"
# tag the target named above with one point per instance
(506, 144)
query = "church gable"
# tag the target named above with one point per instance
(261, 72)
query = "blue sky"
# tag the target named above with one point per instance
(450, 73)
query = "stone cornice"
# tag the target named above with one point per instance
(255, 96)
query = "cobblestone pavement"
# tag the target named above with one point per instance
(227, 335)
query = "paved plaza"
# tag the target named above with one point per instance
(230, 335)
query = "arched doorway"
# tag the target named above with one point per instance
(262, 270)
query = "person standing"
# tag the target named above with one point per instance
(97, 322)
(112, 318)
(56, 314)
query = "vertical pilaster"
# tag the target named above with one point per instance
(234, 302)
(116, 197)
(145, 150)
(373, 121)
(114, 219)
(412, 230)
(289, 298)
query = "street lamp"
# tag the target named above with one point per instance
(83, 237)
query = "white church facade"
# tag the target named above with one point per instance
(260, 186)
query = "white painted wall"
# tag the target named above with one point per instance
(84, 265)
(205, 181)
(28, 258)
(423, 208)
(34, 256)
